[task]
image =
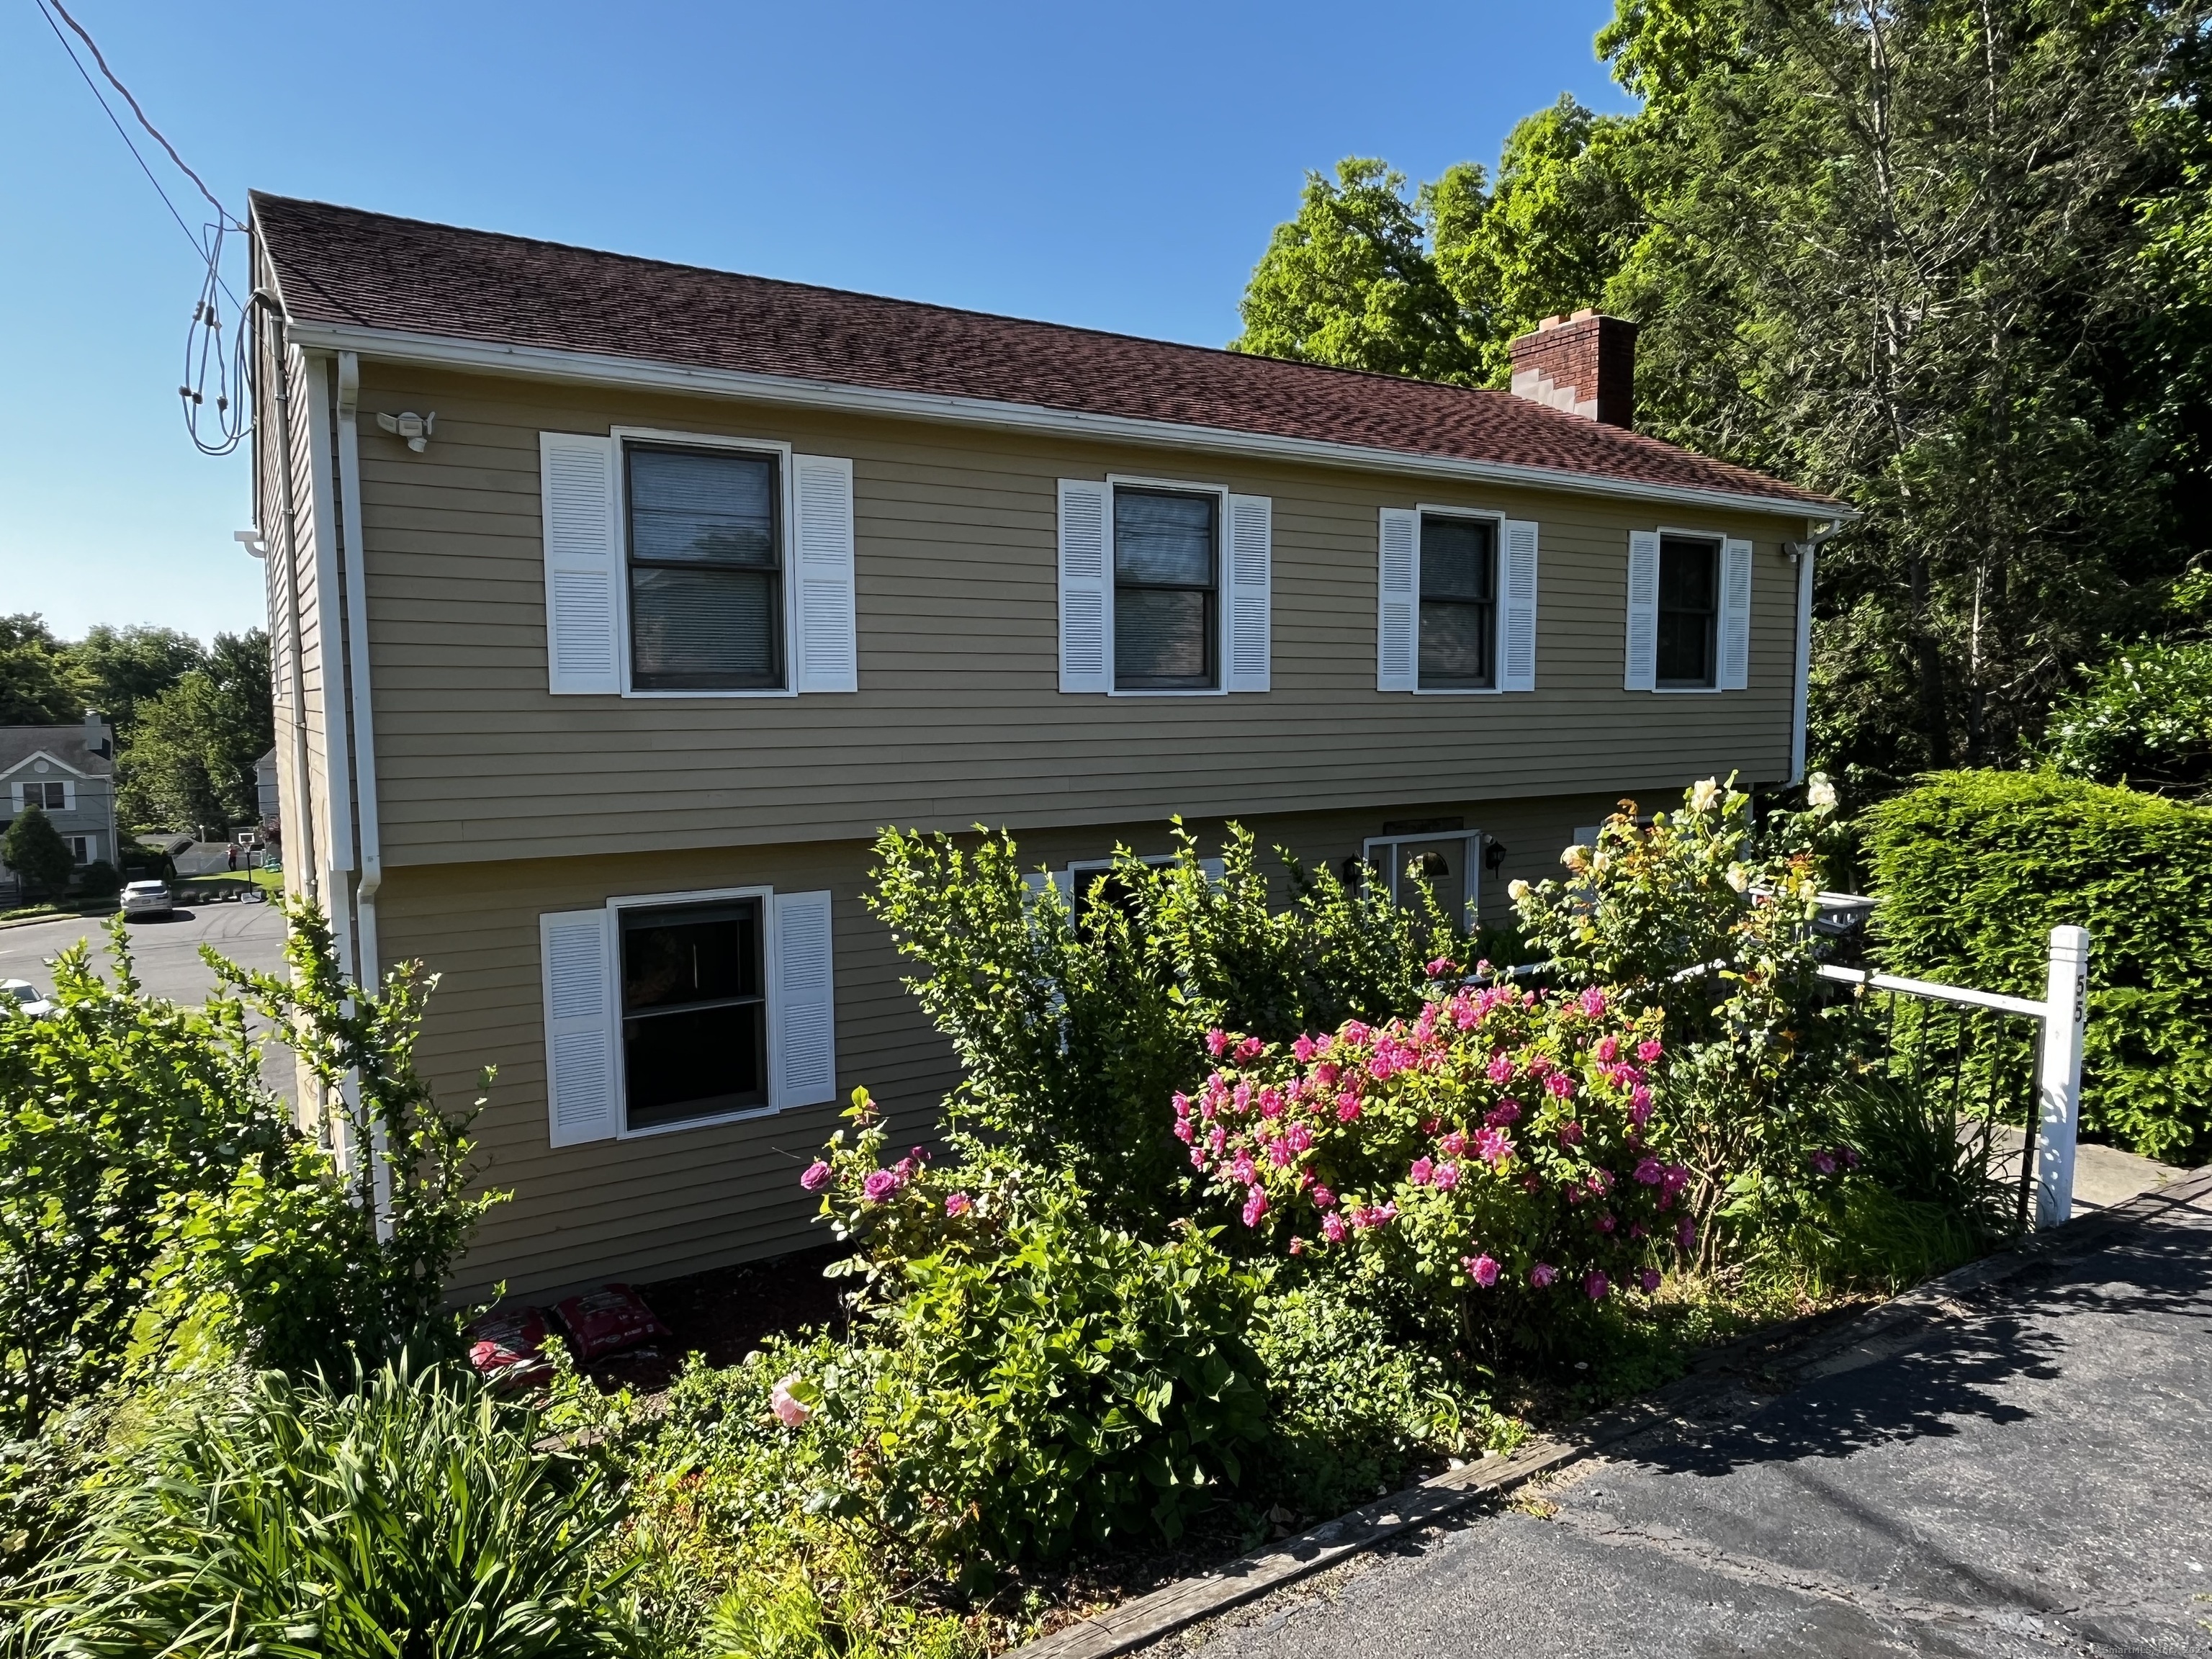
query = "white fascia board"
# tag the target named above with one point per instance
(595, 368)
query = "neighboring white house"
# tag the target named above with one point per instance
(67, 772)
(264, 786)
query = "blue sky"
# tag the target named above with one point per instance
(1118, 167)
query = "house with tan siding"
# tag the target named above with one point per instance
(617, 605)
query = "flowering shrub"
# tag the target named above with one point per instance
(1503, 1142)
(1705, 917)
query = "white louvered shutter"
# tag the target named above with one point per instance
(1517, 614)
(1251, 556)
(828, 654)
(69, 796)
(1735, 615)
(1643, 610)
(579, 1025)
(805, 1043)
(583, 561)
(1086, 619)
(1398, 602)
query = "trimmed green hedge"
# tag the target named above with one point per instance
(1974, 869)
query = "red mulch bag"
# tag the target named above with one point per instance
(507, 1348)
(608, 1320)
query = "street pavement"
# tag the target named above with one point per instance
(2031, 1477)
(166, 953)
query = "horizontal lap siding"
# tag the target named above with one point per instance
(691, 1199)
(958, 719)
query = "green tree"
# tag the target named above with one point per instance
(189, 760)
(123, 668)
(35, 851)
(1351, 282)
(39, 684)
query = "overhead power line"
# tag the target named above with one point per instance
(208, 366)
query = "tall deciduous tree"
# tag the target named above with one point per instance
(191, 757)
(123, 668)
(35, 851)
(39, 684)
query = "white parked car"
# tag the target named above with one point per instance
(19, 996)
(147, 898)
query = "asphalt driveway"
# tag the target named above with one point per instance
(2033, 1476)
(166, 953)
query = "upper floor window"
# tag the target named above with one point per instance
(1459, 603)
(706, 569)
(50, 795)
(1689, 610)
(1166, 620)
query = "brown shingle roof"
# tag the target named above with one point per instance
(341, 266)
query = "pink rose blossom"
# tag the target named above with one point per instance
(1650, 1279)
(1354, 1031)
(1250, 1049)
(1453, 1144)
(1592, 1002)
(1483, 1270)
(1445, 1178)
(1600, 1181)
(1279, 1154)
(1255, 1206)
(1419, 1174)
(1606, 1223)
(1493, 1147)
(1300, 1137)
(1596, 1285)
(789, 1412)
(958, 1204)
(1559, 1084)
(1183, 1131)
(1333, 1227)
(1297, 1245)
(1324, 1198)
(1348, 1108)
(1825, 1163)
(1197, 1157)
(1303, 1049)
(1649, 1174)
(1542, 1274)
(1687, 1235)
(1442, 966)
(1217, 1042)
(1500, 1069)
(880, 1185)
(1648, 1050)
(1503, 1115)
(816, 1177)
(1243, 1170)
(1608, 1048)
(1571, 1134)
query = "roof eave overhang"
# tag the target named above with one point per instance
(599, 369)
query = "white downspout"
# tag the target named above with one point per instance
(371, 971)
(1804, 555)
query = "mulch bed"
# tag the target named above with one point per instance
(725, 1313)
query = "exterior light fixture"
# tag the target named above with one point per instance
(415, 430)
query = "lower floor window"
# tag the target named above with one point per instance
(694, 1011)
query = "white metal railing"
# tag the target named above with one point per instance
(2061, 1011)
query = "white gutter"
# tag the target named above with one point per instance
(595, 368)
(370, 972)
(1805, 554)
(329, 643)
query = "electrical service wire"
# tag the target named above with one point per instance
(206, 358)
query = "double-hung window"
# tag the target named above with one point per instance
(1459, 603)
(48, 795)
(673, 1009)
(694, 1011)
(1163, 588)
(1689, 611)
(1166, 602)
(1455, 591)
(681, 564)
(706, 569)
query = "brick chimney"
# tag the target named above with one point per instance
(1585, 365)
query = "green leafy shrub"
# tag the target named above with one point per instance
(1974, 869)
(99, 880)
(1046, 1380)
(115, 1104)
(35, 851)
(410, 1514)
(312, 1259)
(1074, 1021)
(2145, 721)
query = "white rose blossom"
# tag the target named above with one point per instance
(1820, 792)
(1516, 890)
(1706, 796)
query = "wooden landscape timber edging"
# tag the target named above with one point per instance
(1820, 1345)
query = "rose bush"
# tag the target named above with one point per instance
(1504, 1142)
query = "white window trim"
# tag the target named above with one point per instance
(789, 554)
(1498, 603)
(669, 901)
(1720, 540)
(1471, 850)
(1221, 494)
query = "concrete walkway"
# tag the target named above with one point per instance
(2031, 1476)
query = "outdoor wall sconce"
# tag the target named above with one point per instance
(1493, 857)
(414, 428)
